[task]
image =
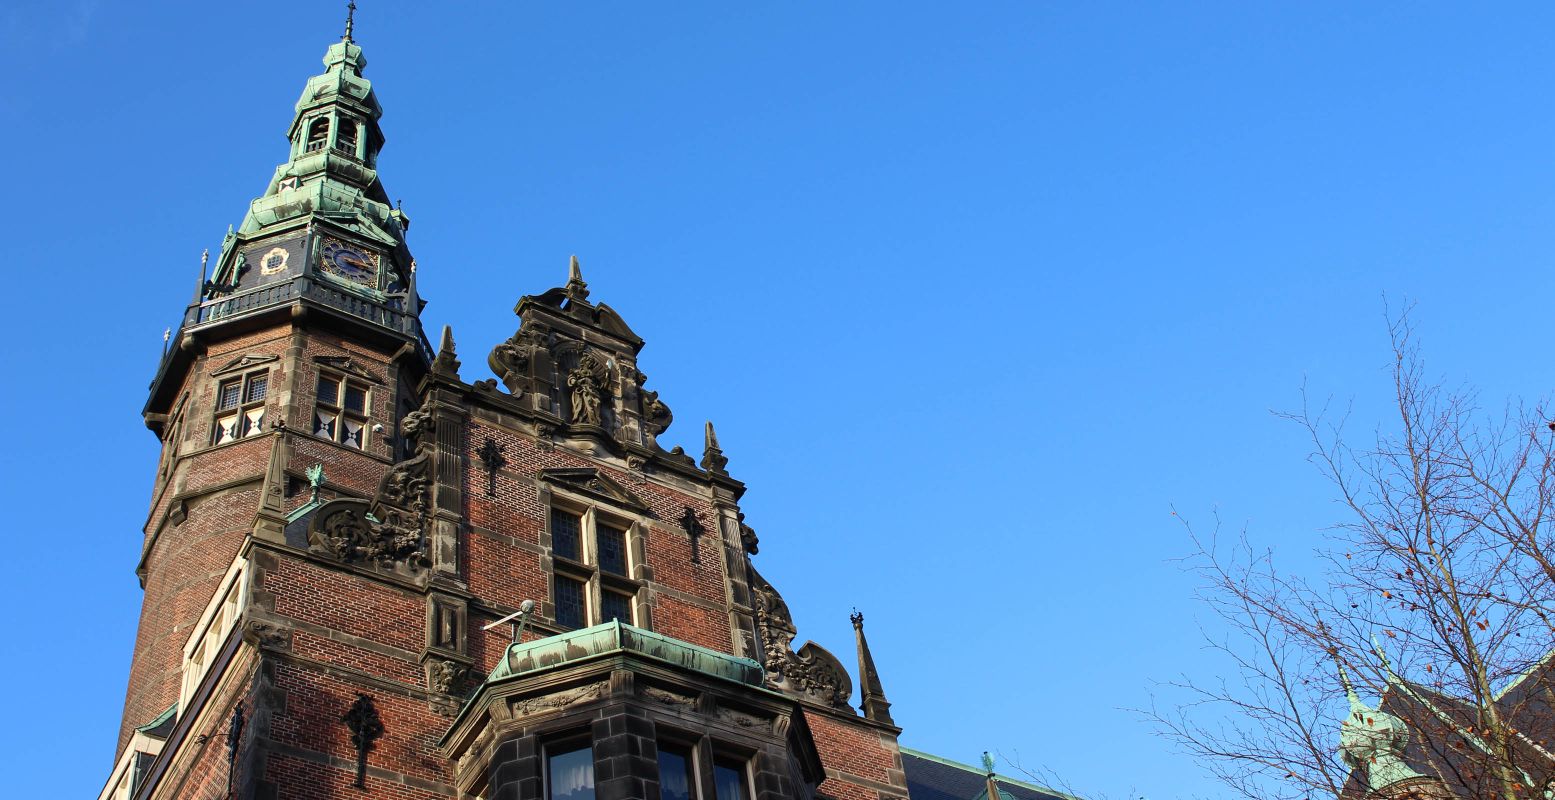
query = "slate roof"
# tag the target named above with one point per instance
(930, 777)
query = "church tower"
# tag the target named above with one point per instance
(365, 576)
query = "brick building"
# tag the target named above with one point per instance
(369, 572)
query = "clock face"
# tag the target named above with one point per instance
(349, 262)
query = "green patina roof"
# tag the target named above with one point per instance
(161, 719)
(615, 636)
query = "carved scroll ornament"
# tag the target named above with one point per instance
(391, 530)
(812, 672)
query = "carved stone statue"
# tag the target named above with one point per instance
(587, 382)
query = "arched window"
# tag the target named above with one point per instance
(345, 136)
(318, 134)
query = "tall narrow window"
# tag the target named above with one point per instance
(570, 610)
(565, 529)
(340, 411)
(318, 134)
(345, 136)
(676, 780)
(612, 548)
(240, 407)
(729, 780)
(569, 775)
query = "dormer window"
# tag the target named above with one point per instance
(318, 134)
(345, 136)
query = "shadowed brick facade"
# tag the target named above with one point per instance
(342, 509)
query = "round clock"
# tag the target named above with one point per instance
(349, 262)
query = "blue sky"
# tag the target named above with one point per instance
(976, 294)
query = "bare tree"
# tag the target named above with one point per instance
(1435, 595)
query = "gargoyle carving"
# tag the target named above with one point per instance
(392, 529)
(812, 672)
(656, 415)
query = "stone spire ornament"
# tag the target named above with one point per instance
(576, 288)
(446, 363)
(713, 459)
(871, 695)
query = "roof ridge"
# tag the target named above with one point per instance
(981, 773)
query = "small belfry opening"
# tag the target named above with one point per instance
(345, 136)
(318, 134)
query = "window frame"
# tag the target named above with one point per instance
(216, 625)
(343, 382)
(240, 411)
(561, 745)
(587, 569)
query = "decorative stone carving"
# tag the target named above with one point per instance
(524, 355)
(668, 697)
(741, 719)
(812, 672)
(748, 538)
(551, 702)
(447, 676)
(391, 531)
(656, 415)
(588, 382)
(266, 634)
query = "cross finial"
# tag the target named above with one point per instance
(350, 20)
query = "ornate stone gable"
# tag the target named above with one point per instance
(575, 364)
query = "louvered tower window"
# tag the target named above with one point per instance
(345, 136)
(318, 134)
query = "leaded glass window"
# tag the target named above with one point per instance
(340, 411)
(614, 605)
(612, 549)
(566, 528)
(240, 407)
(570, 611)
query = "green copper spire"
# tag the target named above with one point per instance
(1373, 740)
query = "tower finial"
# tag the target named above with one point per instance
(199, 288)
(350, 20)
(576, 288)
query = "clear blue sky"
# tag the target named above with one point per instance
(974, 292)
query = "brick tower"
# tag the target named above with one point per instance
(366, 577)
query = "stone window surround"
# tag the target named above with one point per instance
(586, 570)
(216, 624)
(342, 381)
(239, 410)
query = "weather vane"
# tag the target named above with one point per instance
(350, 20)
